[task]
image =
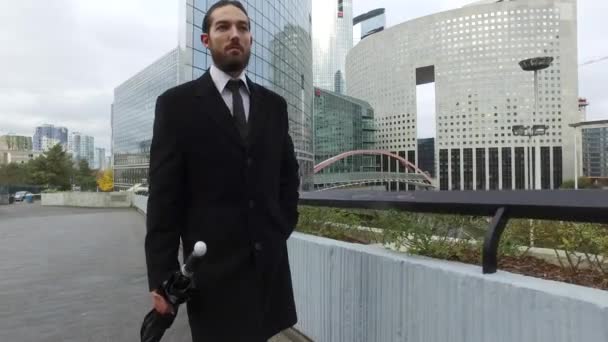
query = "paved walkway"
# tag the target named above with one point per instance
(75, 275)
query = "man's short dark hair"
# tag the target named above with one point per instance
(222, 3)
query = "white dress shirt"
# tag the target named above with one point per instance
(220, 79)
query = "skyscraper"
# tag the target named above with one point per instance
(82, 147)
(472, 55)
(54, 135)
(100, 161)
(332, 37)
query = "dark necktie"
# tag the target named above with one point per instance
(238, 110)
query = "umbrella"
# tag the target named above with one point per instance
(176, 290)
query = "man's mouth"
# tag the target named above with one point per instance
(230, 48)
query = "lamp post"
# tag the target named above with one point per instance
(536, 64)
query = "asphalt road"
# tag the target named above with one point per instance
(74, 275)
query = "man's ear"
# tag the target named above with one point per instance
(205, 39)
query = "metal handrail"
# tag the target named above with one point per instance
(560, 205)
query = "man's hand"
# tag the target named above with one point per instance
(161, 305)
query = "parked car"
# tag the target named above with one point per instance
(20, 196)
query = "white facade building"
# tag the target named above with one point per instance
(472, 55)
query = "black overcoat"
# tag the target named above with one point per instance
(238, 196)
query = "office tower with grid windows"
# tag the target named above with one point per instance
(472, 55)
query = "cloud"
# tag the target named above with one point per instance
(67, 56)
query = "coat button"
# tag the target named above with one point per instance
(257, 246)
(251, 204)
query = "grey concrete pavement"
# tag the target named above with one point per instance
(74, 275)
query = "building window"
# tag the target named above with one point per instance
(493, 153)
(557, 167)
(468, 168)
(455, 169)
(520, 168)
(443, 170)
(507, 177)
(480, 156)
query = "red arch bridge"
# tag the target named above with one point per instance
(329, 181)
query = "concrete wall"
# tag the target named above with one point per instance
(346, 292)
(88, 199)
(140, 203)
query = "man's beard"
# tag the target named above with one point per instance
(228, 64)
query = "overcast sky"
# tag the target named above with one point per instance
(60, 60)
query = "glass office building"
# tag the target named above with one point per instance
(472, 55)
(133, 118)
(592, 148)
(281, 60)
(343, 124)
(46, 133)
(332, 36)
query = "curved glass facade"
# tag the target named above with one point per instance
(343, 124)
(281, 60)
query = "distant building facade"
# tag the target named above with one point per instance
(369, 23)
(343, 124)
(332, 38)
(82, 147)
(133, 117)
(592, 144)
(18, 157)
(16, 143)
(472, 55)
(100, 160)
(47, 136)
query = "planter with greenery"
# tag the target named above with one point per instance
(580, 251)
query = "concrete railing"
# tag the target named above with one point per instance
(140, 203)
(347, 292)
(88, 199)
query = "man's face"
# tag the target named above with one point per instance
(229, 39)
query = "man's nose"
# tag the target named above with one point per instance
(234, 33)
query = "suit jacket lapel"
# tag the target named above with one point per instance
(213, 104)
(257, 115)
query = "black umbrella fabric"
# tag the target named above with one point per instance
(176, 290)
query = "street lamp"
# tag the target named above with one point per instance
(530, 132)
(536, 64)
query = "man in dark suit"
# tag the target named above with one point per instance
(223, 170)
